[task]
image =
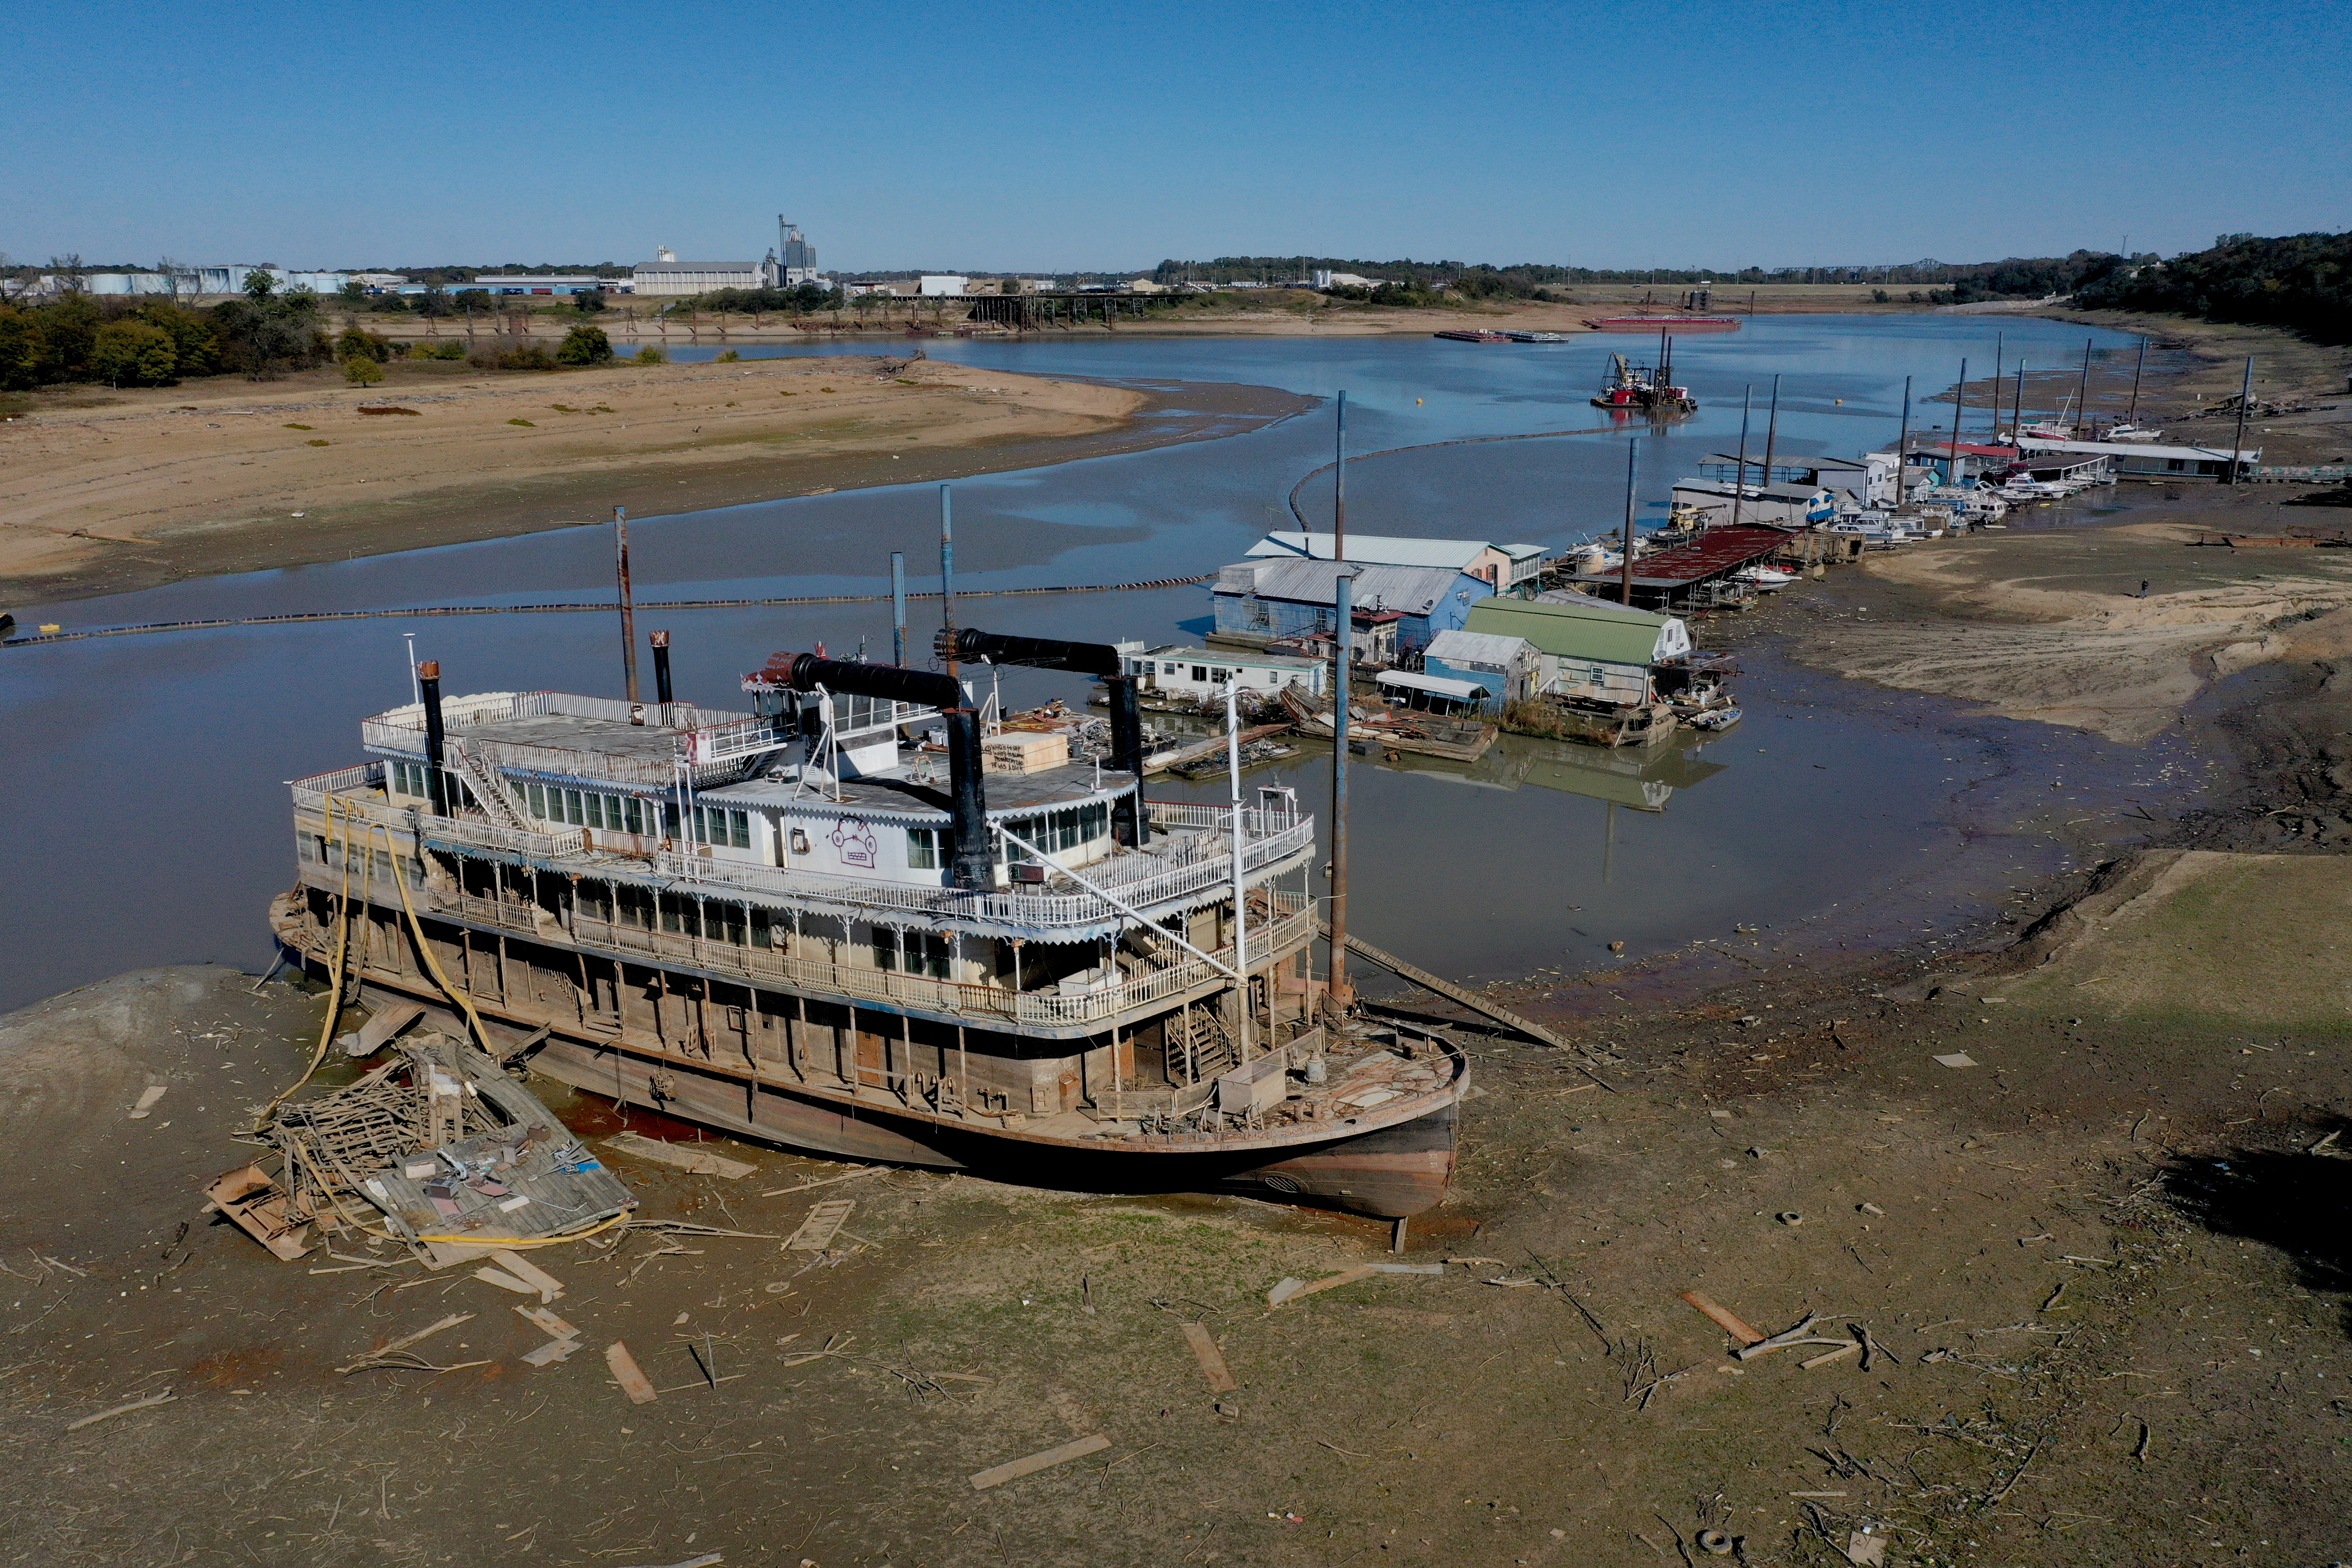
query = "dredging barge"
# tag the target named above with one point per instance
(799, 925)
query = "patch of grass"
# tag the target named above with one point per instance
(788, 395)
(824, 389)
(523, 421)
(905, 381)
(563, 409)
(301, 427)
(315, 443)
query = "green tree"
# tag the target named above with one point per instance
(588, 301)
(193, 340)
(71, 325)
(362, 370)
(260, 285)
(131, 352)
(584, 344)
(353, 293)
(652, 355)
(27, 358)
(358, 342)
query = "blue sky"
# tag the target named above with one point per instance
(1052, 137)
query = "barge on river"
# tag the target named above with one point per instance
(800, 925)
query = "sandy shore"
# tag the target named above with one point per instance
(153, 486)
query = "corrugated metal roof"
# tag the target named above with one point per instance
(1410, 590)
(696, 267)
(1573, 631)
(1373, 549)
(1716, 550)
(1459, 690)
(1452, 647)
(2133, 449)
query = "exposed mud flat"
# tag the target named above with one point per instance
(2051, 626)
(192, 481)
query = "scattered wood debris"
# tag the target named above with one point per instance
(165, 1397)
(684, 1156)
(628, 1375)
(1724, 1318)
(823, 1223)
(1212, 1359)
(1078, 1448)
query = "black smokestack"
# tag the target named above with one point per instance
(973, 867)
(661, 667)
(1129, 825)
(428, 685)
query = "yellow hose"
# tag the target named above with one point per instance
(342, 948)
(425, 949)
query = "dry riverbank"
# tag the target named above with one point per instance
(153, 486)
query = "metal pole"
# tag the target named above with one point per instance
(1998, 344)
(661, 667)
(947, 573)
(415, 693)
(628, 600)
(2132, 414)
(1340, 487)
(1739, 484)
(2083, 392)
(1903, 445)
(2017, 404)
(1241, 909)
(1771, 430)
(2238, 442)
(1339, 996)
(1959, 407)
(1626, 566)
(897, 608)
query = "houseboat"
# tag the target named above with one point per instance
(848, 921)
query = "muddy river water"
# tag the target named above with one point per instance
(145, 773)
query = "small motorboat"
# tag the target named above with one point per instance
(2139, 433)
(1765, 577)
(1716, 718)
(1537, 337)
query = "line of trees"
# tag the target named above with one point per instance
(2299, 281)
(153, 342)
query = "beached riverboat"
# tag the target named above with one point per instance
(802, 924)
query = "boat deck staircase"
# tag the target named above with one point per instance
(490, 793)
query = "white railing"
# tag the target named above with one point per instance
(365, 775)
(1198, 861)
(442, 829)
(1293, 925)
(1170, 869)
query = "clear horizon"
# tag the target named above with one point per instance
(1073, 139)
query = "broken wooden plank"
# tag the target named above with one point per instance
(823, 1223)
(147, 1099)
(164, 1398)
(1076, 1449)
(628, 1375)
(401, 1344)
(382, 1026)
(1292, 1290)
(547, 1322)
(1838, 1355)
(553, 1351)
(827, 1181)
(529, 1273)
(1724, 1317)
(489, 1276)
(1212, 1359)
(684, 1156)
